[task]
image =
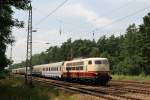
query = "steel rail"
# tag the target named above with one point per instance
(104, 94)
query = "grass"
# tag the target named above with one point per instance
(15, 89)
(140, 78)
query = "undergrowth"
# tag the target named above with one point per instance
(140, 78)
(15, 89)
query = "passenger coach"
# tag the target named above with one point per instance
(52, 70)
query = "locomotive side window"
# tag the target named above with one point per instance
(77, 68)
(81, 67)
(68, 68)
(98, 62)
(90, 62)
(73, 68)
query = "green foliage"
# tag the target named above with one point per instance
(145, 32)
(15, 89)
(139, 78)
(3, 74)
(7, 22)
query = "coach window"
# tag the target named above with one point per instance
(90, 62)
(49, 69)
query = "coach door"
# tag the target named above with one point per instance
(68, 67)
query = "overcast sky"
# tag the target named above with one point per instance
(77, 19)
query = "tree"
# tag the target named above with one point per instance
(102, 44)
(130, 55)
(7, 22)
(145, 32)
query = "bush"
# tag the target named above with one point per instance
(3, 74)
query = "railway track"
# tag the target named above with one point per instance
(131, 83)
(130, 86)
(103, 92)
(114, 91)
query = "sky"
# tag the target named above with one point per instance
(77, 19)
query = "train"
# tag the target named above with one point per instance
(95, 70)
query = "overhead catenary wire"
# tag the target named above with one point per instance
(120, 19)
(53, 11)
(120, 7)
(96, 29)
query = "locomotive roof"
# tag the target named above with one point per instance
(85, 59)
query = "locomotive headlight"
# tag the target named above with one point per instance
(96, 73)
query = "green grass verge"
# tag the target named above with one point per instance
(15, 89)
(139, 78)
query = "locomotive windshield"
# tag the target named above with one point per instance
(98, 62)
(101, 61)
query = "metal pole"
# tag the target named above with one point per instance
(31, 67)
(29, 48)
(71, 50)
(9, 67)
(26, 76)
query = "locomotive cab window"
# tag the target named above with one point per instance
(105, 62)
(98, 62)
(90, 62)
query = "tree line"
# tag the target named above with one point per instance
(128, 54)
